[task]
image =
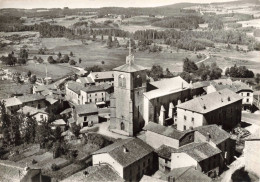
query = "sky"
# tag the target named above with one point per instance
(28, 4)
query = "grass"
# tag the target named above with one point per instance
(54, 71)
(9, 88)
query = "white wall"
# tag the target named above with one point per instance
(156, 140)
(179, 160)
(199, 119)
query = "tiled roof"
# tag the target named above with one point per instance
(30, 98)
(136, 149)
(86, 108)
(13, 101)
(217, 135)
(31, 110)
(174, 83)
(95, 174)
(146, 178)
(200, 84)
(11, 171)
(85, 80)
(166, 131)
(75, 86)
(102, 75)
(129, 68)
(166, 87)
(237, 86)
(187, 174)
(210, 102)
(95, 88)
(51, 100)
(198, 151)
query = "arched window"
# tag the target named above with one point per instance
(138, 81)
(121, 81)
(122, 126)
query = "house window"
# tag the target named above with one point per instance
(185, 117)
(248, 94)
(95, 100)
(90, 100)
(95, 94)
(102, 93)
(192, 120)
(102, 99)
(184, 127)
(247, 100)
(122, 125)
(85, 118)
(41, 116)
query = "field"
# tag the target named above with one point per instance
(54, 71)
(8, 88)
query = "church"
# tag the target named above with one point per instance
(134, 103)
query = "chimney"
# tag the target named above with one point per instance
(125, 149)
(181, 85)
(162, 116)
(208, 137)
(171, 179)
(179, 101)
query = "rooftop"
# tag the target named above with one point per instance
(86, 108)
(66, 111)
(166, 131)
(130, 67)
(198, 151)
(135, 150)
(94, 174)
(102, 75)
(58, 122)
(210, 102)
(31, 110)
(85, 80)
(95, 88)
(217, 135)
(187, 174)
(75, 86)
(30, 98)
(166, 87)
(236, 86)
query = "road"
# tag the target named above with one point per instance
(237, 164)
(201, 61)
(251, 118)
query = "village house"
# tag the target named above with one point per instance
(162, 97)
(157, 135)
(222, 108)
(102, 77)
(202, 156)
(85, 81)
(100, 94)
(186, 174)
(72, 90)
(238, 87)
(13, 104)
(219, 138)
(58, 123)
(130, 158)
(85, 115)
(38, 114)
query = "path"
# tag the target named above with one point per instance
(201, 61)
(237, 164)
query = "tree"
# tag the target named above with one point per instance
(156, 72)
(186, 76)
(109, 41)
(189, 66)
(66, 58)
(72, 62)
(102, 62)
(43, 134)
(34, 58)
(59, 55)
(102, 37)
(23, 54)
(15, 130)
(168, 73)
(5, 121)
(57, 133)
(71, 53)
(257, 78)
(51, 60)
(17, 79)
(94, 68)
(75, 129)
(30, 129)
(29, 73)
(21, 61)
(80, 60)
(33, 79)
(40, 60)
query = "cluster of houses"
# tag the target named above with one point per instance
(185, 126)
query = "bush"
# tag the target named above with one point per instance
(72, 62)
(34, 161)
(55, 167)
